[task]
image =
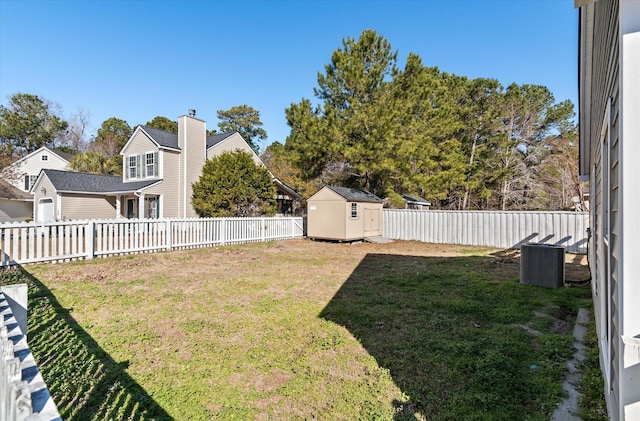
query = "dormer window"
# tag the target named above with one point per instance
(44, 158)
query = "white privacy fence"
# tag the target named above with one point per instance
(55, 241)
(508, 229)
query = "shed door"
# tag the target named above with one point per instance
(45, 210)
(371, 221)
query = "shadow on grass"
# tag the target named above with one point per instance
(85, 382)
(460, 336)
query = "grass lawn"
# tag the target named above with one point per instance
(302, 330)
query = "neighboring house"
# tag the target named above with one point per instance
(23, 173)
(15, 202)
(159, 169)
(15, 205)
(415, 202)
(609, 102)
(343, 214)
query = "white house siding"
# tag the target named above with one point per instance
(79, 206)
(629, 131)
(192, 134)
(609, 106)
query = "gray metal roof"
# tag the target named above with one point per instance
(356, 195)
(162, 137)
(415, 199)
(68, 181)
(217, 138)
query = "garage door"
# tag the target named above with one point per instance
(45, 210)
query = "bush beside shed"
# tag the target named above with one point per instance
(343, 214)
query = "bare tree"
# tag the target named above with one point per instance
(75, 136)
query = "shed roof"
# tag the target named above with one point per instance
(355, 195)
(78, 182)
(415, 199)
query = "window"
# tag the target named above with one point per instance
(142, 166)
(44, 157)
(151, 207)
(29, 180)
(133, 167)
(354, 210)
(151, 164)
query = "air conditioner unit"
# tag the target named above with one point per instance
(542, 265)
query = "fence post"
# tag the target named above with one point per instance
(90, 234)
(169, 234)
(263, 230)
(223, 231)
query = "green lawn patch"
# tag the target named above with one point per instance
(301, 330)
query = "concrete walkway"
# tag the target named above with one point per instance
(568, 408)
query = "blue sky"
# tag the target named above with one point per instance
(135, 60)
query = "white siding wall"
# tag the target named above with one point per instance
(629, 294)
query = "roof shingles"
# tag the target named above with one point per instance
(163, 138)
(67, 181)
(356, 195)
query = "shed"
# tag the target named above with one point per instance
(343, 214)
(415, 202)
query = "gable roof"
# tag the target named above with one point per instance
(78, 182)
(163, 138)
(217, 138)
(63, 155)
(7, 191)
(415, 199)
(355, 195)
(285, 188)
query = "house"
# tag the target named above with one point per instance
(15, 205)
(62, 195)
(25, 170)
(415, 202)
(15, 202)
(343, 214)
(609, 106)
(159, 168)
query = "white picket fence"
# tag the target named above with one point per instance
(509, 229)
(59, 241)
